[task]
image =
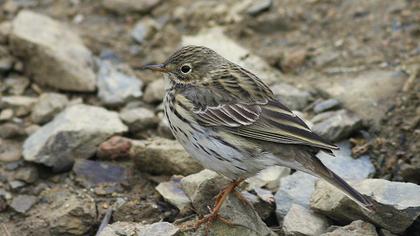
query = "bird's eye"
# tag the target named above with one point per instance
(185, 69)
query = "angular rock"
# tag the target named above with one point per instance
(302, 221)
(263, 208)
(92, 173)
(115, 147)
(171, 191)
(130, 228)
(336, 125)
(294, 189)
(6, 114)
(155, 91)
(232, 51)
(115, 87)
(326, 105)
(10, 150)
(397, 207)
(144, 29)
(137, 210)
(294, 98)
(163, 156)
(127, 6)
(22, 203)
(56, 57)
(139, 119)
(21, 105)
(74, 133)
(259, 7)
(47, 106)
(16, 85)
(268, 178)
(356, 228)
(27, 174)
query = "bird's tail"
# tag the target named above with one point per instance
(332, 178)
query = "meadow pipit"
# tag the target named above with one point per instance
(230, 121)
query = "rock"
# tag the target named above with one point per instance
(336, 125)
(144, 29)
(137, 210)
(294, 98)
(164, 130)
(171, 191)
(292, 61)
(6, 114)
(129, 6)
(10, 150)
(268, 178)
(232, 51)
(22, 203)
(302, 221)
(5, 28)
(115, 147)
(259, 7)
(74, 133)
(398, 205)
(27, 174)
(367, 93)
(116, 87)
(21, 105)
(356, 228)
(11, 130)
(263, 208)
(3, 204)
(139, 119)
(47, 106)
(92, 173)
(16, 85)
(326, 105)
(164, 157)
(345, 165)
(130, 228)
(294, 189)
(56, 52)
(16, 184)
(155, 91)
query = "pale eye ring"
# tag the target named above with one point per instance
(186, 69)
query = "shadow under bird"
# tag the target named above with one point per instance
(230, 121)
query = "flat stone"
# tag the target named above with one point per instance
(155, 91)
(11, 130)
(16, 85)
(92, 173)
(22, 203)
(139, 119)
(131, 229)
(56, 53)
(292, 97)
(336, 125)
(129, 6)
(21, 105)
(172, 192)
(144, 29)
(47, 106)
(356, 228)
(326, 105)
(27, 174)
(136, 210)
(302, 221)
(74, 133)
(115, 147)
(16, 184)
(10, 150)
(259, 6)
(115, 86)
(163, 156)
(398, 204)
(6, 114)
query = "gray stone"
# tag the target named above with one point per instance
(356, 228)
(16, 184)
(92, 173)
(139, 119)
(16, 85)
(294, 189)
(336, 125)
(11, 130)
(74, 133)
(259, 6)
(155, 91)
(27, 174)
(6, 114)
(126, 6)
(22, 203)
(21, 105)
(163, 156)
(5, 28)
(367, 93)
(232, 51)
(115, 87)
(144, 29)
(164, 130)
(10, 150)
(301, 221)
(137, 229)
(268, 178)
(262, 207)
(47, 106)
(171, 191)
(397, 204)
(135, 210)
(326, 105)
(56, 57)
(294, 98)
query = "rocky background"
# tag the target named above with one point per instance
(84, 148)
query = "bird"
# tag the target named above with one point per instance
(230, 121)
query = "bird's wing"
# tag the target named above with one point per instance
(249, 109)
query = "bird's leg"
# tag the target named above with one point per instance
(220, 198)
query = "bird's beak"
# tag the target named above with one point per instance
(157, 67)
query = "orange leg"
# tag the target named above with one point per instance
(214, 213)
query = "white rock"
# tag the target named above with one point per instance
(47, 106)
(172, 192)
(301, 221)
